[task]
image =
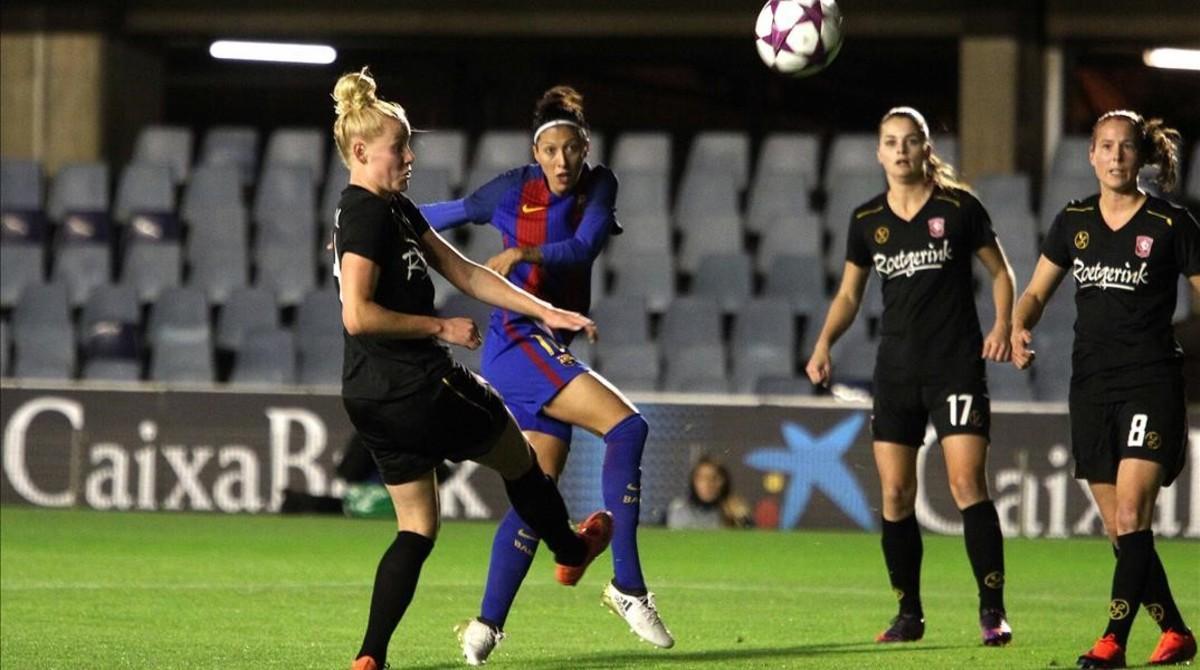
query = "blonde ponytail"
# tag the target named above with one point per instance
(360, 112)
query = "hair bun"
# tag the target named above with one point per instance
(354, 91)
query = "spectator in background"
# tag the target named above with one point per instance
(709, 503)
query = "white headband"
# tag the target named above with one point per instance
(558, 122)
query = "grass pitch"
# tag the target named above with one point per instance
(83, 589)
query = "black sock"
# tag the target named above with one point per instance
(1157, 598)
(395, 582)
(537, 501)
(985, 549)
(1129, 581)
(902, 551)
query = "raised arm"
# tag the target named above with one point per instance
(996, 346)
(842, 310)
(475, 208)
(1045, 280)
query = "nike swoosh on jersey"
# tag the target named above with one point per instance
(521, 533)
(526, 209)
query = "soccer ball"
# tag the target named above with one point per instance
(798, 37)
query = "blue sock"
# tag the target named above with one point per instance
(512, 554)
(621, 482)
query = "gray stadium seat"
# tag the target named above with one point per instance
(246, 309)
(799, 280)
(695, 368)
(232, 146)
(946, 147)
(21, 265)
(268, 356)
(852, 153)
(211, 188)
(622, 320)
(442, 289)
(642, 152)
(78, 187)
(854, 353)
(182, 358)
(1005, 194)
(286, 262)
(283, 192)
(643, 193)
(1006, 382)
(319, 315)
(165, 145)
(1071, 158)
(301, 147)
(443, 150)
(776, 198)
(1052, 369)
(108, 335)
(765, 342)
(845, 195)
(642, 233)
(83, 257)
(1018, 236)
(796, 155)
(320, 360)
(793, 385)
(707, 235)
(725, 153)
(649, 275)
(484, 243)
(181, 312)
(20, 185)
(43, 339)
(691, 320)
(726, 278)
(705, 195)
(598, 149)
(152, 267)
(112, 370)
(430, 184)
(498, 151)
(797, 235)
(110, 303)
(630, 366)
(217, 253)
(465, 306)
(144, 188)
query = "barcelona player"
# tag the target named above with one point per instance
(555, 216)
(919, 237)
(1125, 250)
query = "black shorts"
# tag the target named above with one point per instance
(1150, 425)
(901, 411)
(457, 417)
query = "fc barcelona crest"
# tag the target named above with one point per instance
(937, 227)
(1143, 245)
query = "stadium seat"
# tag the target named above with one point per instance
(792, 155)
(598, 149)
(1018, 235)
(267, 356)
(78, 187)
(464, 306)
(705, 235)
(776, 198)
(1005, 194)
(642, 233)
(443, 150)
(217, 253)
(845, 195)
(946, 147)
(283, 192)
(111, 303)
(112, 370)
(649, 275)
(442, 289)
(232, 146)
(764, 342)
(286, 262)
(691, 320)
(181, 312)
(83, 256)
(430, 184)
(725, 153)
(246, 309)
(799, 280)
(852, 154)
(643, 193)
(695, 368)
(302, 147)
(1052, 370)
(153, 255)
(20, 185)
(854, 354)
(320, 360)
(1071, 159)
(790, 385)
(108, 334)
(483, 243)
(211, 188)
(43, 339)
(320, 315)
(705, 195)
(1057, 191)
(641, 152)
(182, 358)
(497, 151)
(622, 320)
(1006, 382)
(21, 265)
(630, 366)
(799, 234)
(726, 278)
(144, 188)
(165, 145)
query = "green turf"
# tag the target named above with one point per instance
(108, 590)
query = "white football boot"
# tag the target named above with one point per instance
(641, 615)
(478, 640)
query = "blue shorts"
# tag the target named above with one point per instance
(529, 366)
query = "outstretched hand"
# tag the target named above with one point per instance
(561, 319)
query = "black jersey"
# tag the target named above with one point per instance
(1125, 288)
(388, 233)
(930, 330)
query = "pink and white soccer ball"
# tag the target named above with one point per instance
(798, 37)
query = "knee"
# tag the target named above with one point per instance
(426, 525)
(899, 498)
(1130, 518)
(633, 428)
(967, 489)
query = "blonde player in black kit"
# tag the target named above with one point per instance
(1125, 251)
(919, 237)
(411, 404)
